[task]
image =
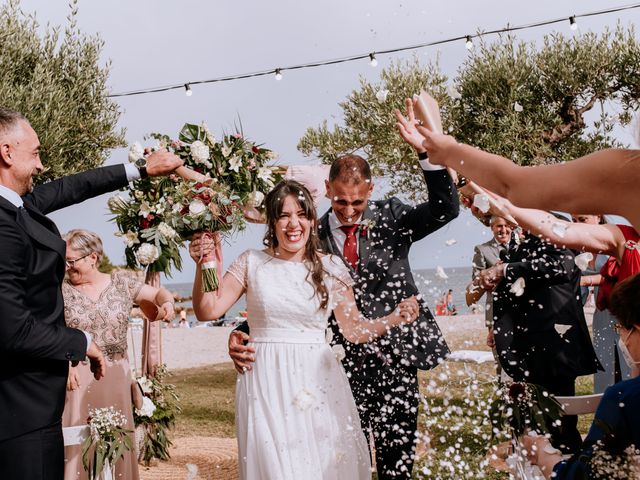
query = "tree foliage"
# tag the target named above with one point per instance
(56, 80)
(525, 102)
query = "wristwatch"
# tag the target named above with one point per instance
(141, 163)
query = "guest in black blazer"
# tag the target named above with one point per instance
(374, 239)
(35, 344)
(541, 335)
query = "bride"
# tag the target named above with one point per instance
(295, 414)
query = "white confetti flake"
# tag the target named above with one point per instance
(440, 273)
(304, 400)
(382, 95)
(517, 287)
(517, 107)
(582, 260)
(559, 229)
(481, 202)
(451, 242)
(561, 328)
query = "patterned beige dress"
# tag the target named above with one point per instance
(106, 319)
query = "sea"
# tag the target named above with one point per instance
(430, 282)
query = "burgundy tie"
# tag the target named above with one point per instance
(350, 251)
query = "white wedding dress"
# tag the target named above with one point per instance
(295, 414)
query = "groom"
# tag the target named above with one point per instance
(35, 345)
(374, 238)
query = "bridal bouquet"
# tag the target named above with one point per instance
(206, 207)
(107, 443)
(522, 406)
(234, 172)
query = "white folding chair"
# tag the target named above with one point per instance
(520, 467)
(75, 435)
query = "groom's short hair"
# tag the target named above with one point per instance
(350, 169)
(9, 120)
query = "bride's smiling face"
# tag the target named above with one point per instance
(292, 226)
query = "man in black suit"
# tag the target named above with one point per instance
(541, 335)
(35, 345)
(374, 238)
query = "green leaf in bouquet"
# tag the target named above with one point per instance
(190, 133)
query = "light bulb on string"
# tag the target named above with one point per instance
(278, 74)
(469, 43)
(187, 90)
(573, 25)
(374, 60)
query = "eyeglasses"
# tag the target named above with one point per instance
(72, 263)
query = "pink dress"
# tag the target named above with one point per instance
(106, 319)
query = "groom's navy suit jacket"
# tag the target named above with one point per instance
(35, 344)
(383, 277)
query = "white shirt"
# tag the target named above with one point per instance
(338, 235)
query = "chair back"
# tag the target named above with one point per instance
(581, 404)
(75, 435)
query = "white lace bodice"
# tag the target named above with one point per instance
(279, 295)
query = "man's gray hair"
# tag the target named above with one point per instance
(9, 119)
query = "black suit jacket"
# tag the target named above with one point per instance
(35, 344)
(383, 277)
(529, 328)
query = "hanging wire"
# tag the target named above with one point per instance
(368, 55)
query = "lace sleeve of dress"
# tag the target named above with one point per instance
(238, 268)
(132, 283)
(339, 278)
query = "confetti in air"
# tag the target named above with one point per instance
(481, 202)
(451, 242)
(559, 229)
(440, 273)
(582, 260)
(517, 287)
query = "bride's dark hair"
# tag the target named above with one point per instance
(273, 206)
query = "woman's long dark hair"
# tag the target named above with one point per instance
(273, 205)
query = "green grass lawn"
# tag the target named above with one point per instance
(453, 414)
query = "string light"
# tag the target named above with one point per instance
(373, 61)
(469, 43)
(573, 25)
(188, 92)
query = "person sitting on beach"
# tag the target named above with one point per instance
(617, 420)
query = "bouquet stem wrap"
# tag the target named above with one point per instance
(211, 265)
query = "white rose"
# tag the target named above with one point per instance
(582, 260)
(135, 152)
(199, 152)
(166, 231)
(196, 207)
(147, 408)
(147, 254)
(255, 199)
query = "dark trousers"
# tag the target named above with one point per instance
(566, 437)
(387, 400)
(37, 455)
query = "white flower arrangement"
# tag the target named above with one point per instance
(147, 409)
(147, 254)
(200, 152)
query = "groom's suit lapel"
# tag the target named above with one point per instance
(364, 241)
(37, 226)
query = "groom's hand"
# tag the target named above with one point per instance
(162, 162)
(97, 361)
(241, 354)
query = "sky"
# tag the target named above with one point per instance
(152, 43)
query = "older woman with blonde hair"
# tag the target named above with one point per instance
(99, 303)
